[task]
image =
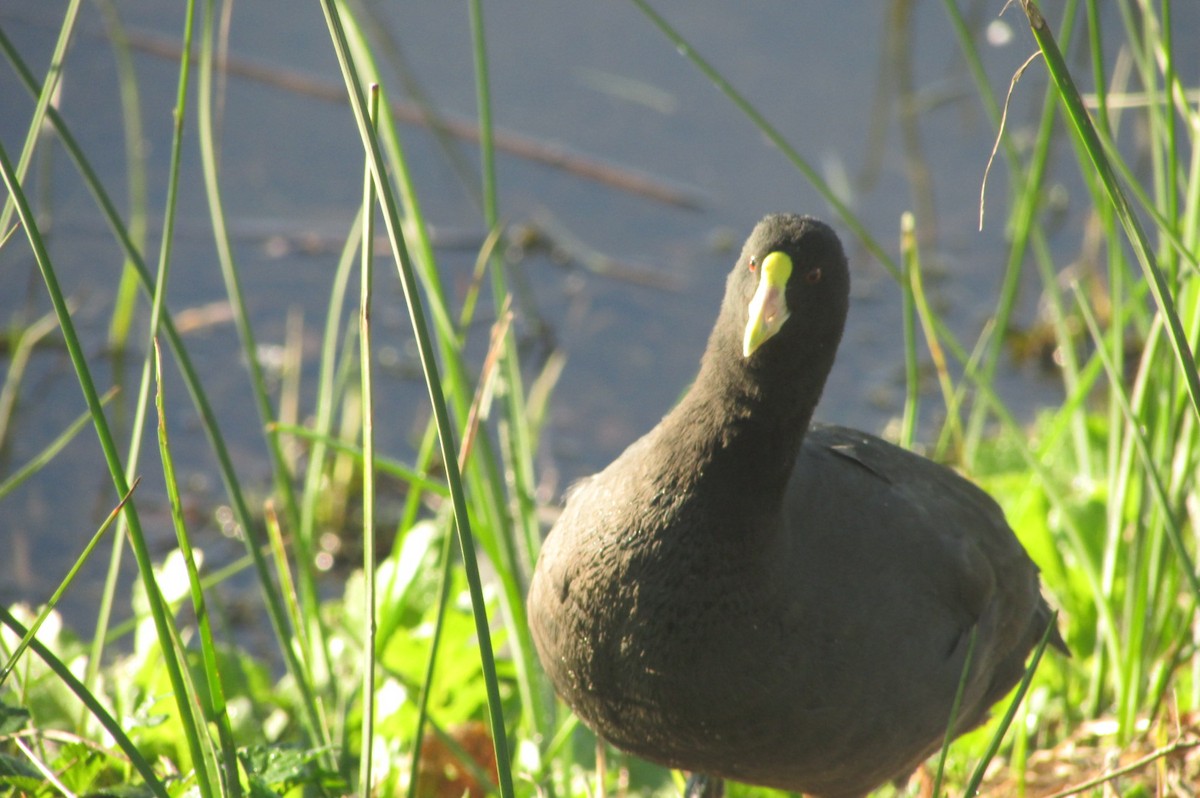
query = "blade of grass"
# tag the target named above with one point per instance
(112, 457)
(484, 471)
(1118, 459)
(42, 458)
(814, 178)
(85, 696)
(429, 365)
(166, 244)
(977, 775)
(1164, 224)
(384, 465)
(142, 396)
(19, 353)
(314, 491)
(520, 445)
(280, 472)
(443, 600)
(43, 768)
(926, 317)
(425, 108)
(289, 597)
(498, 334)
(1081, 122)
(952, 723)
(66, 583)
(44, 97)
(135, 168)
(1024, 226)
(204, 758)
(214, 709)
(254, 543)
(912, 377)
(368, 468)
(1135, 427)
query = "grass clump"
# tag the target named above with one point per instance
(418, 676)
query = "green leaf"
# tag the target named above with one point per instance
(276, 769)
(12, 719)
(14, 769)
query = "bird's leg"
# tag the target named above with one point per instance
(600, 767)
(702, 786)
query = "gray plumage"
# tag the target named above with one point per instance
(748, 596)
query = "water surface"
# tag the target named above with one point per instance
(595, 79)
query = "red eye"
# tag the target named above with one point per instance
(813, 277)
(752, 264)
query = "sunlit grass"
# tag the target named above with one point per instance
(1100, 489)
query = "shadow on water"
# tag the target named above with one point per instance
(627, 179)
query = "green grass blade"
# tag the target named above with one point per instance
(1024, 226)
(124, 304)
(208, 419)
(229, 273)
(912, 378)
(320, 436)
(42, 458)
(66, 583)
(803, 166)
(485, 473)
(1081, 122)
(370, 642)
(19, 353)
(383, 465)
(42, 107)
(928, 321)
(225, 750)
(110, 724)
(142, 396)
(429, 365)
(289, 597)
(443, 600)
(972, 787)
(1150, 465)
(955, 706)
(520, 449)
(112, 458)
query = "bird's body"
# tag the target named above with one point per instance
(744, 596)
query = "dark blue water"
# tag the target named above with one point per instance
(594, 78)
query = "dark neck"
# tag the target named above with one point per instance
(743, 424)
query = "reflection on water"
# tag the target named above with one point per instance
(629, 178)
